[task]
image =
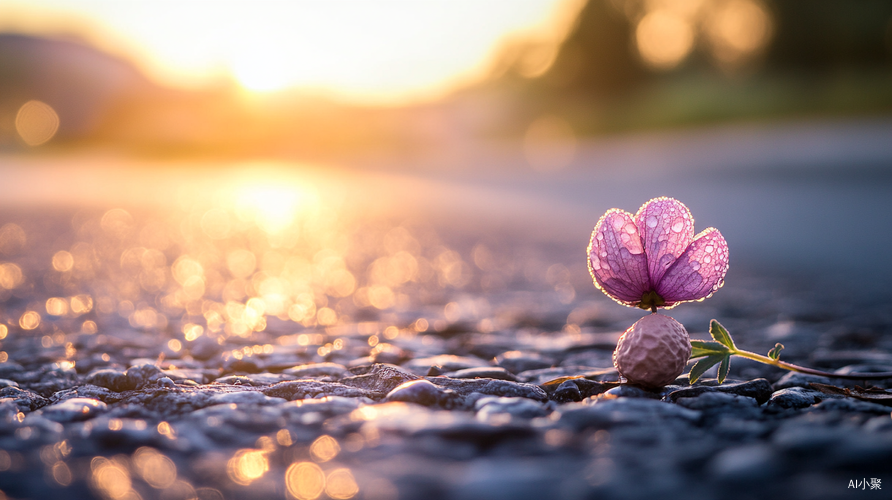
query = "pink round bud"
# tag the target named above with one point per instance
(652, 352)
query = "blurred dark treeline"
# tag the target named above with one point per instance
(625, 65)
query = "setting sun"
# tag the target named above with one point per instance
(368, 51)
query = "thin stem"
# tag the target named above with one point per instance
(801, 369)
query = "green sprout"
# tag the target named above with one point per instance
(722, 347)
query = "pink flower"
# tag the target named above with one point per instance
(653, 259)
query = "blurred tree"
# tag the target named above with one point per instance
(826, 35)
(598, 57)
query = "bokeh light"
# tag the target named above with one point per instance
(304, 481)
(36, 122)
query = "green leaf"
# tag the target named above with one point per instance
(706, 347)
(723, 368)
(720, 334)
(704, 364)
(774, 353)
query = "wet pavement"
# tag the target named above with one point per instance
(253, 344)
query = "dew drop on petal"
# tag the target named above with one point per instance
(678, 225)
(625, 237)
(707, 259)
(709, 248)
(630, 228)
(604, 253)
(618, 223)
(695, 265)
(652, 221)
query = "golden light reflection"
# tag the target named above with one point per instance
(30, 320)
(247, 465)
(341, 485)
(664, 38)
(324, 448)
(273, 207)
(10, 276)
(63, 261)
(305, 481)
(61, 473)
(111, 478)
(56, 306)
(737, 30)
(36, 122)
(156, 469)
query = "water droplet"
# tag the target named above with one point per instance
(604, 253)
(709, 248)
(707, 259)
(678, 225)
(695, 265)
(624, 237)
(599, 237)
(631, 228)
(652, 221)
(618, 223)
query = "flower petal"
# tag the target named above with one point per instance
(616, 258)
(667, 228)
(698, 272)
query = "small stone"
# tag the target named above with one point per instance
(625, 411)
(518, 361)
(630, 391)
(380, 377)
(793, 398)
(246, 398)
(74, 410)
(717, 405)
(166, 383)
(524, 408)
(494, 372)
(303, 389)
(793, 379)
(758, 389)
(566, 392)
(491, 387)
(141, 375)
(426, 394)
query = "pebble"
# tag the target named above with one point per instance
(426, 394)
(793, 379)
(758, 389)
(110, 379)
(491, 387)
(631, 391)
(303, 389)
(495, 372)
(607, 413)
(379, 377)
(794, 397)
(517, 361)
(74, 410)
(566, 392)
(524, 408)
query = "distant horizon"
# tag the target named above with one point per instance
(354, 52)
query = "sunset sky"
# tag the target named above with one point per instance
(383, 51)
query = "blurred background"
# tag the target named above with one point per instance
(499, 123)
